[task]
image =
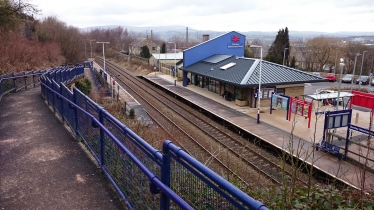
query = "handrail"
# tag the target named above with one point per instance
(223, 183)
(153, 178)
(68, 105)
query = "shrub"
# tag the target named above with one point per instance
(84, 85)
(132, 113)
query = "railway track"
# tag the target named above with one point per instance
(251, 155)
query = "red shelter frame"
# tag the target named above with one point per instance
(363, 99)
(302, 108)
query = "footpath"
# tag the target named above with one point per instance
(42, 166)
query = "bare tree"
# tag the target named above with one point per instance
(70, 39)
(13, 13)
(322, 50)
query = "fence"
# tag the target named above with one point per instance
(132, 165)
(16, 82)
(98, 81)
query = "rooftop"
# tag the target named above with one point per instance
(245, 71)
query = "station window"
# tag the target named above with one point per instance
(281, 91)
(266, 92)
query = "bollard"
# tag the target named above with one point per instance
(357, 115)
(175, 82)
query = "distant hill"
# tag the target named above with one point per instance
(166, 32)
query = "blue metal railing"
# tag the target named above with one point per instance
(96, 80)
(15, 82)
(131, 164)
(130, 175)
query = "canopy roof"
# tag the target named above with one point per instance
(329, 95)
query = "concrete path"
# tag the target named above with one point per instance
(42, 166)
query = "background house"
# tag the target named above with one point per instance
(135, 47)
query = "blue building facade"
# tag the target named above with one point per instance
(231, 43)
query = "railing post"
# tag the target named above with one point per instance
(25, 78)
(75, 113)
(33, 78)
(14, 81)
(62, 105)
(53, 98)
(1, 89)
(102, 138)
(165, 174)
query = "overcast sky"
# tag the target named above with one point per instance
(217, 15)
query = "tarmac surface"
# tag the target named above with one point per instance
(42, 166)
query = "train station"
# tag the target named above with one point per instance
(219, 66)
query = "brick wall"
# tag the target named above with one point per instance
(294, 91)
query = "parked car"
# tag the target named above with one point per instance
(331, 77)
(372, 82)
(316, 74)
(347, 78)
(363, 79)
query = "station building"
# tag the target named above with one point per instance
(219, 64)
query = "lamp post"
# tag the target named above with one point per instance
(354, 68)
(103, 52)
(91, 46)
(175, 60)
(284, 54)
(340, 82)
(362, 63)
(259, 95)
(110, 77)
(336, 58)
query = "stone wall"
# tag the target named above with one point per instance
(294, 91)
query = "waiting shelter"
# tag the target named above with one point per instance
(331, 97)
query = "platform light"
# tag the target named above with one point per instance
(259, 95)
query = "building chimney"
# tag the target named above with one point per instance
(186, 37)
(151, 34)
(205, 37)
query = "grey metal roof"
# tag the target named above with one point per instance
(216, 58)
(233, 75)
(273, 73)
(245, 72)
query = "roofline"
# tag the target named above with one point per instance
(249, 72)
(285, 83)
(213, 39)
(262, 84)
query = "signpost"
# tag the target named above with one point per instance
(281, 102)
(302, 108)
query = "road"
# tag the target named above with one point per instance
(310, 88)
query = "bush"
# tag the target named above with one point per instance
(132, 113)
(84, 85)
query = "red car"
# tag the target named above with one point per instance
(331, 77)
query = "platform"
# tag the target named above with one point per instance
(131, 102)
(275, 129)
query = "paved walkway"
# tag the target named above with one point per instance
(42, 166)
